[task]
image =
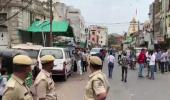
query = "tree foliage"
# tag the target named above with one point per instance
(111, 40)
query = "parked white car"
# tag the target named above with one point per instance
(63, 64)
(95, 51)
(32, 51)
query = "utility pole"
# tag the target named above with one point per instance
(153, 16)
(51, 20)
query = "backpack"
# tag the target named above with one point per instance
(124, 61)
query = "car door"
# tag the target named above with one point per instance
(68, 61)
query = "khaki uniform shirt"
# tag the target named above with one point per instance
(44, 86)
(96, 85)
(16, 90)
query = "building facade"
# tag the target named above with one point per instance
(156, 23)
(165, 21)
(60, 11)
(17, 16)
(160, 23)
(98, 35)
(76, 20)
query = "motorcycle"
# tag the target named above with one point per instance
(133, 63)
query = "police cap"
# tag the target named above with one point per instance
(22, 60)
(95, 60)
(47, 59)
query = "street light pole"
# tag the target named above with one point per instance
(51, 19)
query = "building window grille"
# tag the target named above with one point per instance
(3, 17)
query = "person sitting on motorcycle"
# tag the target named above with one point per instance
(133, 60)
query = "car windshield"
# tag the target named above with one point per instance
(32, 53)
(95, 50)
(57, 53)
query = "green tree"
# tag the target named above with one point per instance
(111, 40)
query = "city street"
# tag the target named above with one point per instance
(134, 89)
(56, 33)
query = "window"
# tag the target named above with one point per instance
(67, 54)
(93, 33)
(95, 50)
(57, 53)
(3, 17)
(32, 53)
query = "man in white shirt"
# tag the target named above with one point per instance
(147, 63)
(152, 64)
(111, 60)
(163, 60)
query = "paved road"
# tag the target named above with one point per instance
(135, 88)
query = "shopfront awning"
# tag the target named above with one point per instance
(35, 27)
(60, 28)
(128, 40)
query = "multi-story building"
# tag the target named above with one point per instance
(76, 21)
(15, 18)
(98, 35)
(165, 22)
(103, 39)
(62, 12)
(156, 23)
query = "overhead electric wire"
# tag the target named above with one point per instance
(5, 5)
(108, 24)
(18, 12)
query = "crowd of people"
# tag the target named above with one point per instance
(15, 86)
(21, 84)
(81, 59)
(153, 60)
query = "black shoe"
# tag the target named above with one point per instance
(140, 76)
(125, 81)
(122, 80)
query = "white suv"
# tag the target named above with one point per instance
(95, 51)
(63, 64)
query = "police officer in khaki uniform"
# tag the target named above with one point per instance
(15, 87)
(44, 84)
(97, 87)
